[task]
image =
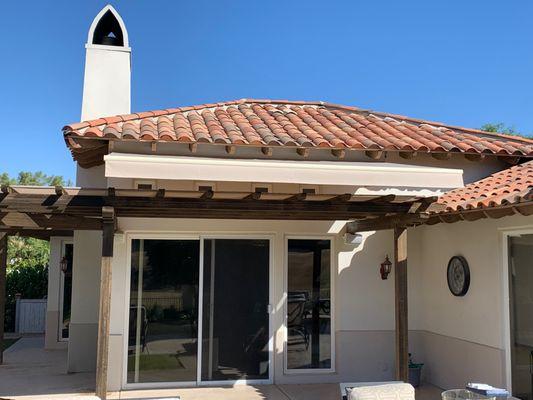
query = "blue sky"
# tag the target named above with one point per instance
(460, 62)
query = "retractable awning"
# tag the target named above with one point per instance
(360, 175)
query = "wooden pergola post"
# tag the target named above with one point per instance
(108, 232)
(3, 268)
(400, 284)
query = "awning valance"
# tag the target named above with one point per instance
(362, 175)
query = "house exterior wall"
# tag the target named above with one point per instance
(462, 338)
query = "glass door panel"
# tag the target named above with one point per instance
(521, 312)
(309, 304)
(235, 318)
(163, 320)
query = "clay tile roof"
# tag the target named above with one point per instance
(510, 186)
(298, 123)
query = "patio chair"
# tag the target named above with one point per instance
(380, 391)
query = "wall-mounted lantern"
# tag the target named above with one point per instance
(385, 268)
(63, 264)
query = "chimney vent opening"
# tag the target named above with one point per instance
(108, 31)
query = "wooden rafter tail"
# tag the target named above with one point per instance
(441, 156)
(408, 155)
(374, 154)
(297, 197)
(253, 196)
(384, 199)
(6, 189)
(267, 151)
(339, 153)
(303, 151)
(341, 198)
(207, 194)
(474, 157)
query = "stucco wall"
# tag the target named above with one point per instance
(462, 339)
(85, 301)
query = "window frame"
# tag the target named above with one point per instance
(333, 270)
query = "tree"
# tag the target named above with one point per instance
(34, 178)
(27, 269)
(500, 127)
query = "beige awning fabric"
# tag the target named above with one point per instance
(367, 176)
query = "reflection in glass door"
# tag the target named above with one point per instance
(521, 313)
(163, 317)
(235, 317)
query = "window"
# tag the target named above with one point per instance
(309, 304)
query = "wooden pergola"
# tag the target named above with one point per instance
(44, 212)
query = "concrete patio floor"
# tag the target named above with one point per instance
(30, 372)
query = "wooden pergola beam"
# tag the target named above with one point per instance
(384, 223)
(102, 351)
(3, 269)
(42, 234)
(400, 304)
(36, 221)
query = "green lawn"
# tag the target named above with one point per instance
(7, 343)
(156, 361)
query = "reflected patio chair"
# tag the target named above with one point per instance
(296, 311)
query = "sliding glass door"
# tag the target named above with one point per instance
(235, 341)
(163, 313)
(171, 307)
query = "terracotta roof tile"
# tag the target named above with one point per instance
(510, 186)
(298, 123)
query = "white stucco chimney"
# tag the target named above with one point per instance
(107, 80)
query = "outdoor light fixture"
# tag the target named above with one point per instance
(63, 264)
(385, 268)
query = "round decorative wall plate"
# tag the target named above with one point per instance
(458, 275)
